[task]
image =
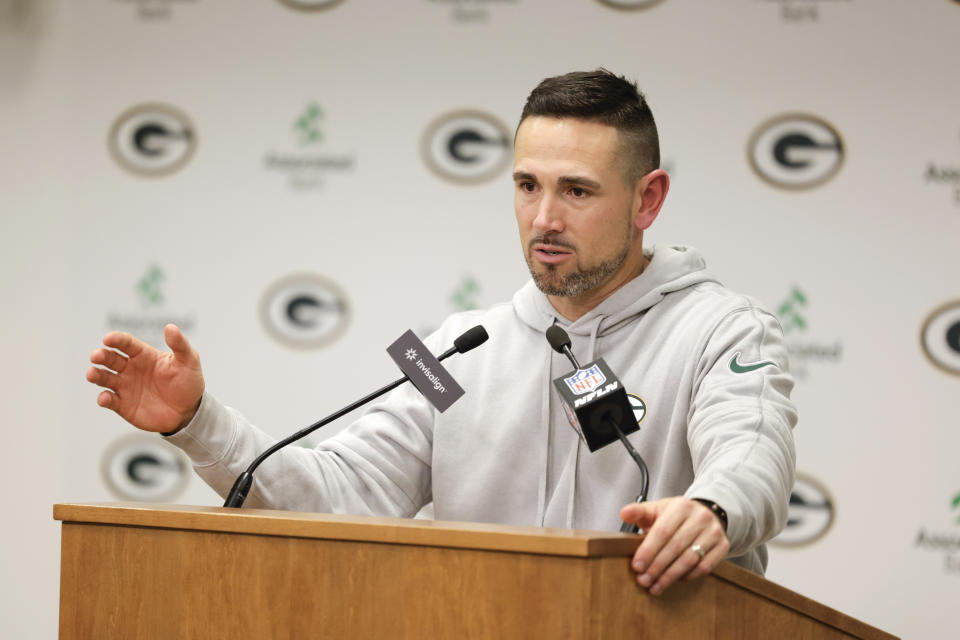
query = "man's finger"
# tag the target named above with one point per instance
(109, 359)
(659, 522)
(671, 540)
(103, 378)
(714, 557)
(124, 342)
(641, 514)
(687, 561)
(177, 342)
(108, 400)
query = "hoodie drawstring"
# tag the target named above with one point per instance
(572, 500)
(545, 425)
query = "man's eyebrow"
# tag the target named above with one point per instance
(578, 180)
(519, 176)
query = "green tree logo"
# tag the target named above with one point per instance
(788, 312)
(307, 125)
(148, 287)
(956, 505)
(464, 297)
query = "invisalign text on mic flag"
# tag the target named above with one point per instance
(425, 371)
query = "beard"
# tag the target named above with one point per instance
(582, 279)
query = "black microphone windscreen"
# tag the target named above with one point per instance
(470, 339)
(557, 338)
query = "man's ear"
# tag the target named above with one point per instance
(650, 193)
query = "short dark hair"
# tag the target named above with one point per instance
(600, 96)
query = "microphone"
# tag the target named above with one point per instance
(560, 342)
(596, 403)
(468, 340)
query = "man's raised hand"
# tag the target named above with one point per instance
(150, 389)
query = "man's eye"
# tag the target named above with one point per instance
(527, 186)
(578, 192)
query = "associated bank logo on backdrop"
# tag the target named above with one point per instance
(630, 5)
(940, 337)
(946, 174)
(310, 5)
(810, 514)
(944, 539)
(804, 345)
(150, 10)
(146, 314)
(465, 296)
(796, 151)
(466, 146)
(795, 11)
(304, 311)
(299, 160)
(466, 11)
(138, 466)
(152, 139)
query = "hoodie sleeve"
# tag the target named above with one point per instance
(379, 465)
(740, 426)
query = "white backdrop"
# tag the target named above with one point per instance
(855, 265)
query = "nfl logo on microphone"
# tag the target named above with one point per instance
(585, 380)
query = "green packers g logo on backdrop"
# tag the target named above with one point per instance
(940, 337)
(142, 467)
(795, 151)
(466, 147)
(305, 311)
(152, 140)
(810, 514)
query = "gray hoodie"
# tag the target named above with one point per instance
(707, 369)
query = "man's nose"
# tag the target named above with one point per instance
(550, 217)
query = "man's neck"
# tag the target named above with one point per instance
(573, 308)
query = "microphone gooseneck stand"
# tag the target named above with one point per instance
(241, 487)
(644, 473)
(560, 342)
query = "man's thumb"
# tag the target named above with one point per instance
(641, 514)
(177, 341)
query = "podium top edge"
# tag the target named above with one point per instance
(431, 533)
(436, 533)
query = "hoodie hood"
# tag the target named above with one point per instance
(671, 268)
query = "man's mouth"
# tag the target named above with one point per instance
(550, 253)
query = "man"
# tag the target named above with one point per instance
(708, 365)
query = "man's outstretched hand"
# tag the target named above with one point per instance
(150, 389)
(673, 526)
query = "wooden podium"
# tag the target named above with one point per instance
(146, 571)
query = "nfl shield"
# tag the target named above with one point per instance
(585, 380)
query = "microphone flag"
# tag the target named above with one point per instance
(592, 395)
(425, 371)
